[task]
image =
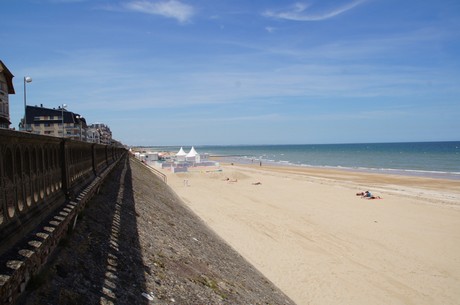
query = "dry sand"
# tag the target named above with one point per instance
(307, 231)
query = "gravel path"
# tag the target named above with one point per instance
(137, 243)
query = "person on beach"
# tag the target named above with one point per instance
(367, 195)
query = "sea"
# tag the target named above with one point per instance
(427, 159)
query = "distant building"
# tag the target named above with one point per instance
(99, 133)
(93, 135)
(6, 88)
(55, 122)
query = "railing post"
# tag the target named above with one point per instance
(106, 150)
(64, 168)
(93, 153)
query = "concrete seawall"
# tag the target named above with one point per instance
(23, 262)
(45, 183)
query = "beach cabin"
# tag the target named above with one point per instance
(151, 156)
(204, 157)
(142, 157)
(179, 168)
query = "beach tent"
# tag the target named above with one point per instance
(180, 156)
(193, 156)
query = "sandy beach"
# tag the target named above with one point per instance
(308, 232)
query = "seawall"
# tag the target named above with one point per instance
(45, 183)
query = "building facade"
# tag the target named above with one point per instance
(99, 133)
(93, 135)
(55, 122)
(6, 88)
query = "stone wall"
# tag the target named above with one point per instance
(44, 183)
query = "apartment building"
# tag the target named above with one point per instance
(99, 133)
(57, 122)
(6, 88)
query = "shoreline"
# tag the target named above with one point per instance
(307, 227)
(392, 183)
(380, 171)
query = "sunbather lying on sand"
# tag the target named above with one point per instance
(367, 195)
(373, 197)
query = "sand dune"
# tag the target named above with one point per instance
(307, 231)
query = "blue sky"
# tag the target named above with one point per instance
(183, 72)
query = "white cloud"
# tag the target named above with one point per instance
(169, 9)
(66, 1)
(299, 12)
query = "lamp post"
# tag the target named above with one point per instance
(27, 79)
(63, 128)
(80, 118)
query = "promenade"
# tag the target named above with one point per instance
(137, 243)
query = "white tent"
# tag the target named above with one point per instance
(180, 156)
(193, 155)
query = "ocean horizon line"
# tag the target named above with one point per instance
(438, 159)
(293, 144)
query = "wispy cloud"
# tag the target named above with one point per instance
(302, 12)
(67, 1)
(270, 29)
(169, 9)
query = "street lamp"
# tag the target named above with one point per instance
(80, 118)
(63, 128)
(27, 79)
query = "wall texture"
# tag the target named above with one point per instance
(44, 183)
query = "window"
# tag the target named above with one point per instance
(3, 87)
